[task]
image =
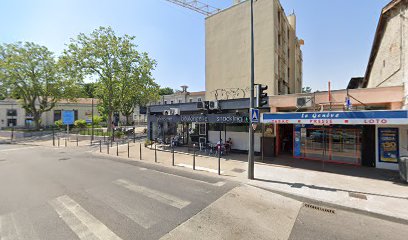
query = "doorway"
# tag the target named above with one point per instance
(285, 139)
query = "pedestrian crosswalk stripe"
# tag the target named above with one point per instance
(81, 222)
(134, 214)
(13, 229)
(154, 194)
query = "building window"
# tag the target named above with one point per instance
(180, 101)
(171, 102)
(11, 122)
(288, 73)
(191, 100)
(199, 99)
(279, 39)
(11, 112)
(57, 115)
(165, 102)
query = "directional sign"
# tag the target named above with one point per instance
(68, 117)
(254, 115)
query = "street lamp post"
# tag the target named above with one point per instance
(251, 162)
(92, 123)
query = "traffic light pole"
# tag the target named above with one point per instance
(251, 162)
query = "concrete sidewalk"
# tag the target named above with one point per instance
(375, 192)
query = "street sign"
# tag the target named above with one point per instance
(68, 117)
(254, 115)
(254, 126)
(88, 120)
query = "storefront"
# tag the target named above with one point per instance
(369, 138)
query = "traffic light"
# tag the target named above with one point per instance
(261, 96)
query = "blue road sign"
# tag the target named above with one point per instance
(68, 117)
(254, 115)
(88, 120)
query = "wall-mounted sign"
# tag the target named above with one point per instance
(327, 118)
(208, 118)
(388, 142)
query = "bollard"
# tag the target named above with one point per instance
(194, 153)
(104, 137)
(134, 135)
(140, 151)
(128, 151)
(219, 160)
(58, 141)
(65, 142)
(53, 137)
(117, 148)
(77, 141)
(172, 150)
(155, 153)
(107, 149)
(100, 145)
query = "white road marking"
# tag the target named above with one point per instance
(154, 194)
(218, 184)
(81, 222)
(14, 149)
(136, 215)
(199, 168)
(12, 229)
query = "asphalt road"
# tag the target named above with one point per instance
(69, 193)
(66, 194)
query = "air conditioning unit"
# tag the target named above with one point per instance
(304, 102)
(167, 112)
(175, 111)
(214, 105)
(200, 105)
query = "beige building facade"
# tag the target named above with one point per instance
(278, 57)
(388, 63)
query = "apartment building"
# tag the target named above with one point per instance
(278, 57)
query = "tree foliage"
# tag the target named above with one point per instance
(166, 91)
(123, 75)
(31, 74)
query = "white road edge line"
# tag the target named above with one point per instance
(154, 194)
(218, 184)
(199, 168)
(81, 222)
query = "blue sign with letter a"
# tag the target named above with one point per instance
(68, 117)
(254, 115)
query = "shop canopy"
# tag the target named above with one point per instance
(383, 117)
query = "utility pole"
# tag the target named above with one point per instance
(251, 162)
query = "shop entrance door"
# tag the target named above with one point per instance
(317, 144)
(333, 144)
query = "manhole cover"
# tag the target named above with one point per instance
(238, 170)
(63, 159)
(322, 209)
(358, 195)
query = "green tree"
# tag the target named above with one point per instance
(166, 91)
(116, 65)
(88, 90)
(31, 74)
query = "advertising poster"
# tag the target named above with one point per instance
(297, 141)
(388, 145)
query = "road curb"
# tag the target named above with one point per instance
(334, 205)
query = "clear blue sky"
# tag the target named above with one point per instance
(338, 33)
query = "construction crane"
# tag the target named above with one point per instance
(197, 6)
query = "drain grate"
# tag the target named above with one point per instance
(238, 170)
(63, 159)
(358, 195)
(326, 210)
